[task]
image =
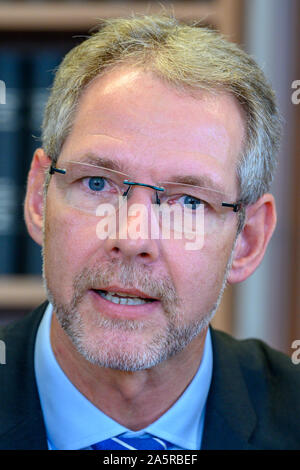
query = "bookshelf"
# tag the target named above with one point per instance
(21, 292)
(37, 24)
(59, 16)
(56, 15)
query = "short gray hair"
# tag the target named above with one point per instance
(187, 57)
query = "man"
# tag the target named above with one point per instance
(151, 113)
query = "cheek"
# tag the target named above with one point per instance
(198, 275)
(197, 281)
(69, 241)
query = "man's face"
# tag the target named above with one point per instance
(154, 133)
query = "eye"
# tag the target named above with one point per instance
(192, 202)
(95, 183)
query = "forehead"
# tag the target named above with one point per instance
(131, 115)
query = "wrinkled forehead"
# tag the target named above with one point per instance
(136, 118)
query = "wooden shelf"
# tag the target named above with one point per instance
(21, 292)
(56, 16)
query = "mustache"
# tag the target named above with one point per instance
(126, 275)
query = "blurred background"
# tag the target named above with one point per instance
(35, 35)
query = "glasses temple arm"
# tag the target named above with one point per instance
(235, 207)
(53, 170)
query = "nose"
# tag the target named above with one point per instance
(134, 239)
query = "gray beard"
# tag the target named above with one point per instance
(107, 350)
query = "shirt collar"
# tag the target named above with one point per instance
(64, 406)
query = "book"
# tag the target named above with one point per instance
(40, 67)
(11, 163)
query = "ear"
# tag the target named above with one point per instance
(252, 242)
(33, 206)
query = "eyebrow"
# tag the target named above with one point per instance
(104, 162)
(115, 164)
(203, 181)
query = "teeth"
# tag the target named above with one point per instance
(122, 294)
(126, 299)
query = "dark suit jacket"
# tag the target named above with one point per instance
(253, 402)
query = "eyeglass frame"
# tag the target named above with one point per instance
(236, 207)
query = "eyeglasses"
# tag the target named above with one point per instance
(86, 187)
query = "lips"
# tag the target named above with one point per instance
(124, 303)
(125, 297)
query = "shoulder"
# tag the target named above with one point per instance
(27, 321)
(270, 381)
(21, 421)
(19, 336)
(257, 359)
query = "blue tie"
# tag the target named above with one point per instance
(131, 443)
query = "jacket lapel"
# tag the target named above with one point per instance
(230, 417)
(21, 419)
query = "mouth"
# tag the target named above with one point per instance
(125, 298)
